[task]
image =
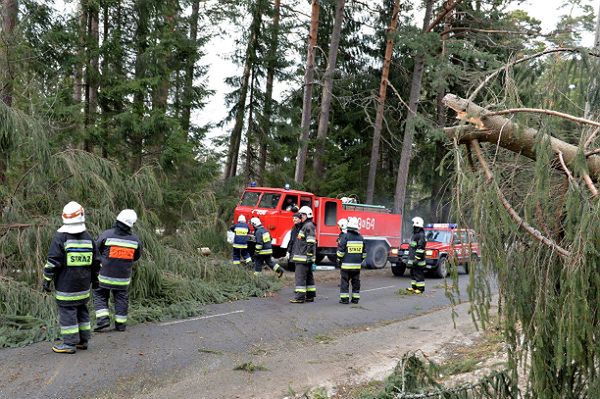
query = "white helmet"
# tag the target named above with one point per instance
(307, 211)
(342, 224)
(418, 222)
(353, 224)
(128, 217)
(241, 219)
(255, 222)
(73, 218)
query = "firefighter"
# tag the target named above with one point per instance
(72, 265)
(119, 248)
(416, 257)
(264, 249)
(343, 226)
(297, 219)
(303, 255)
(240, 241)
(351, 252)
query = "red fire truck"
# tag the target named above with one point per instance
(275, 207)
(446, 243)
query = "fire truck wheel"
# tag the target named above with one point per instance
(398, 269)
(442, 270)
(377, 255)
(474, 260)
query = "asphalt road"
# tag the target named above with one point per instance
(152, 355)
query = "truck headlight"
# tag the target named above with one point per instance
(429, 252)
(395, 251)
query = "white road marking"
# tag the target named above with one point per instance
(170, 323)
(380, 288)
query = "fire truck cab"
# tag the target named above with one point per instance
(446, 245)
(275, 207)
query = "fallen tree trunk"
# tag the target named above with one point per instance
(501, 131)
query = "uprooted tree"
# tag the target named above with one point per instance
(531, 194)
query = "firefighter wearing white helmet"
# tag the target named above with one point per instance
(416, 257)
(303, 255)
(263, 249)
(72, 266)
(119, 248)
(351, 252)
(240, 241)
(343, 226)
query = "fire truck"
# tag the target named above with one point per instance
(275, 207)
(446, 245)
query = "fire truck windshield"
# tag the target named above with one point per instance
(250, 198)
(444, 236)
(269, 200)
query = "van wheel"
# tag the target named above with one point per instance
(442, 270)
(398, 269)
(377, 255)
(474, 260)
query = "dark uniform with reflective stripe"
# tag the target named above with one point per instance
(263, 250)
(240, 243)
(351, 252)
(72, 264)
(303, 255)
(119, 248)
(416, 259)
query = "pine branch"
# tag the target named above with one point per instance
(522, 224)
(448, 7)
(546, 112)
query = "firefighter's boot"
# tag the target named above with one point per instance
(63, 348)
(279, 270)
(83, 345)
(102, 324)
(345, 301)
(296, 300)
(354, 300)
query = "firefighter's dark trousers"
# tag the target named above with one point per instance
(350, 276)
(121, 298)
(261, 260)
(74, 323)
(417, 273)
(239, 254)
(305, 282)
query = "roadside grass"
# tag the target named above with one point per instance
(250, 367)
(324, 339)
(211, 351)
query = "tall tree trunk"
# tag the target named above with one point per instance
(236, 133)
(105, 66)
(91, 75)
(308, 89)
(78, 73)
(328, 88)
(141, 45)
(188, 87)
(265, 129)
(9, 11)
(436, 212)
(409, 126)
(387, 59)
(249, 132)
(161, 93)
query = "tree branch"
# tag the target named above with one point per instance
(546, 112)
(448, 7)
(536, 234)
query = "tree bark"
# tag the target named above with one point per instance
(91, 75)
(250, 130)
(189, 70)
(328, 89)
(387, 60)
(409, 127)
(141, 45)
(593, 96)
(236, 133)
(506, 134)
(265, 129)
(78, 73)
(308, 89)
(10, 9)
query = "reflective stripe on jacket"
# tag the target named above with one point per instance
(351, 250)
(119, 248)
(416, 250)
(263, 241)
(241, 231)
(305, 244)
(72, 264)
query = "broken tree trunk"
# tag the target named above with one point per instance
(501, 131)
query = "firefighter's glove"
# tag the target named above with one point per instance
(338, 262)
(310, 259)
(46, 285)
(410, 262)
